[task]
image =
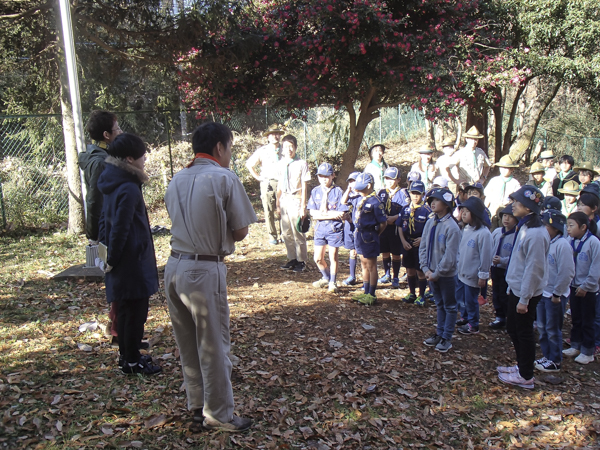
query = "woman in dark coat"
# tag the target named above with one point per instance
(131, 274)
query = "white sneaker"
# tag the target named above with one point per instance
(584, 359)
(570, 352)
(332, 289)
(321, 283)
(508, 369)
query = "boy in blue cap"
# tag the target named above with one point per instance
(326, 208)
(410, 228)
(394, 200)
(348, 198)
(370, 221)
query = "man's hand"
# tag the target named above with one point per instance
(521, 308)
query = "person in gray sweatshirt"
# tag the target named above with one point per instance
(584, 287)
(437, 257)
(552, 306)
(526, 276)
(474, 261)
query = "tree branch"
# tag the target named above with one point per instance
(29, 12)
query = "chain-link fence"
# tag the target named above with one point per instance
(582, 149)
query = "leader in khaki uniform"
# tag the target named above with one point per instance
(209, 211)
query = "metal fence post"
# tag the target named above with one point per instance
(380, 138)
(169, 142)
(584, 148)
(2, 205)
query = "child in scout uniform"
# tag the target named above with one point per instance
(424, 166)
(547, 160)
(502, 243)
(589, 203)
(552, 306)
(499, 188)
(438, 260)
(538, 173)
(377, 165)
(526, 276)
(369, 222)
(474, 262)
(586, 173)
(410, 227)
(584, 288)
(348, 198)
(570, 192)
(393, 200)
(326, 208)
(565, 175)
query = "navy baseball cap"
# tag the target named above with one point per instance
(363, 180)
(417, 186)
(353, 176)
(478, 186)
(555, 219)
(392, 172)
(325, 169)
(552, 202)
(414, 176)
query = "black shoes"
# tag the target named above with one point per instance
(300, 266)
(289, 265)
(497, 324)
(144, 366)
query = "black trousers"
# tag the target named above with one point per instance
(499, 288)
(131, 317)
(520, 330)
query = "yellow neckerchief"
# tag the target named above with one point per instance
(360, 205)
(101, 144)
(388, 206)
(411, 218)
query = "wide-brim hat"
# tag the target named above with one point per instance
(555, 219)
(592, 188)
(570, 188)
(507, 162)
(476, 206)
(353, 176)
(392, 172)
(552, 202)
(530, 197)
(442, 194)
(587, 166)
(450, 141)
(473, 133)
(302, 225)
(425, 150)
(363, 180)
(537, 167)
(506, 210)
(273, 129)
(546, 154)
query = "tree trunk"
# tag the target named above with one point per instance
(76, 211)
(497, 111)
(541, 93)
(508, 139)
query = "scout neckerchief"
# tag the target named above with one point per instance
(577, 250)
(522, 222)
(504, 182)
(569, 211)
(563, 178)
(432, 236)
(504, 233)
(101, 144)
(203, 156)
(325, 199)
(360, 205)
(411, 217)
(390, 194)
(539, 186)
(286, 175)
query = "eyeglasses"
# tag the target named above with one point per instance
(117, 129)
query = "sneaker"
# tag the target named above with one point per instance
(332, 289)
(410, 298)
(403, 278)
(568, 312)
(395, 283)
(289, 265)
(482, 301)
(597, 350)
(143, 358)
(143, 367)
(300, 266)
(461, 322)
(367, 299)
(420, 301)
(443, 346)
(236, 424)
(570, 352)
(548, 366)
(432, 340)
(584, 359)
(428, 295)
(358, 296)
(542, 360)
(498, 324)
(321, 283)
(468, 329)
(273, 242)
(516, 380)
(508, 369)
(385, 279)
(350, 281)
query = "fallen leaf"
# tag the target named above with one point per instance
(155, 421)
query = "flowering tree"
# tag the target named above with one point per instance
(359, 55)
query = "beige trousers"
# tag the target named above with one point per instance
(295, 242)
(197, 298)
(268, 195)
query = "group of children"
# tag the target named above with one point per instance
(542, 253)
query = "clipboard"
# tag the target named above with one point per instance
(102, 252)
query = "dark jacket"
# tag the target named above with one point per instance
(92, 163)
(557, 183)
(125, 230)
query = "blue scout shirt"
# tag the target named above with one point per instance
(367, 212)
(413, 229)
(393, 202)
(334, 203)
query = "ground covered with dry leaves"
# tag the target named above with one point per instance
(315, 370)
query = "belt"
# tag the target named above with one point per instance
(214, 258)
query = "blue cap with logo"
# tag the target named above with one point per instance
(353, 176)
(325, 169)
(363, 180)
(417, 186)
(392, 172)
(413, 176)
(555, 219)
(551, 202)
